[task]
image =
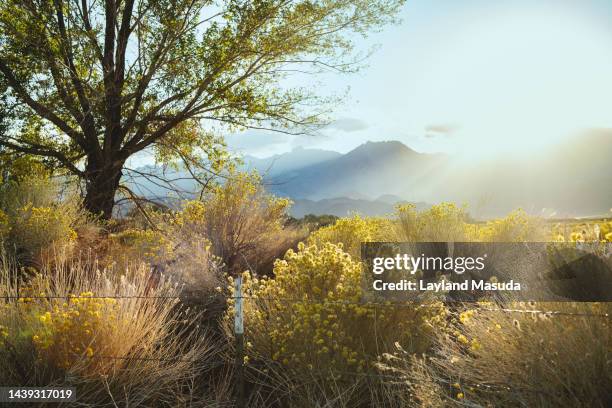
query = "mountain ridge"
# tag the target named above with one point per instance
(566, 180)
(571, 179)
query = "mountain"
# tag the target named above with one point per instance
(288, 162)
(372, 169)
(325, 182)
(571, 179)
(390, 199)
(146, 180)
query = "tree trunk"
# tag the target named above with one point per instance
(102, 183)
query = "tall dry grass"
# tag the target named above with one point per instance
(275, 386)
(119, 340)
(515, 359)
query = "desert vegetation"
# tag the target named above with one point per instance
(139, 312)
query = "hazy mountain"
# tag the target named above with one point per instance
(287, 162)
(390, 199)
(573, 179)
(147, 181)
(568, 180)
(372, 169)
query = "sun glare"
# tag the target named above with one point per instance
(520, 82)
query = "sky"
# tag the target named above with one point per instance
(472, 78)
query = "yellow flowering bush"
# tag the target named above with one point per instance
(310, 318)
(36, 220)
(605, 231)
(351, 232)
(591, 231)
(134, 244)
(193, 212)
(440, 223)
(515, 227)
(75, 329)
(449, 222)
(4, 225)
(37, 228)
(4, 333)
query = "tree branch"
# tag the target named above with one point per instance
(39, 108)
(39, 150)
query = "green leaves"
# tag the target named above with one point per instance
(118, 77)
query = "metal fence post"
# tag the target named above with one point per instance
(239, 335)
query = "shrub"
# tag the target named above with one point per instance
(115, 337)
(313, 222)
(36, 229)
(310, 321)
(496, 358)
(134, 245)
(5, 227)
(244, 224)
(441, 223)
(36, 220)
(34, 191)
(173, 248)
(235, 227)
(583, 231)
(351, 232)
(448, 222)
(76, 327)
(20, 167)
(605, 231)
(515, 227)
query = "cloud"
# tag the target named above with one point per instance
(348, 125)
(443, 129)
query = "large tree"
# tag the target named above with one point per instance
(90, 83)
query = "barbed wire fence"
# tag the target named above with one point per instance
(238, 299)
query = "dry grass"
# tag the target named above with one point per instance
(496, 358)
(138, 351)
(276, 386)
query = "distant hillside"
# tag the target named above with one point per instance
(569, 180)
(343, 206)
(372, 169)
(285, 163)
(573, 179)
